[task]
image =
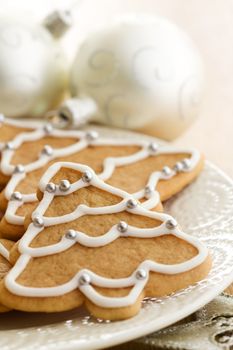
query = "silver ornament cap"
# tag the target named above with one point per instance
(58, 22)
(74, 112)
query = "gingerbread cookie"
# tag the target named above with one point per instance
(89, 242)
(5, 265)
(140, 167)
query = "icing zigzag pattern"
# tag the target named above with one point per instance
(83, 140)
(86, 280)
(21, 124)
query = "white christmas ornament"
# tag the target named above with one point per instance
(33, 69)
(140, 73)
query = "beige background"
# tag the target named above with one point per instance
(208, 22)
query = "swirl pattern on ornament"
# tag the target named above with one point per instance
(104, 68)
(12, 36)
(155, 67)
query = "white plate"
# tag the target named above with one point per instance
(204, 209)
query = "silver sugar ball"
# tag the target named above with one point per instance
(141, 274)
(64, 185)
(153, 147)
(17, 196)
(84, 279)
(48, 128)
(148, 190)
(87, 176)
(131, 203)
(9, 146)
(38, 221)
(178, 167)
(171, 224)
(166, 171)
(186, 163)
(47, 150)
(71, 234)
(50, 187)
(92, 135)
(19, 169)
(122, 226)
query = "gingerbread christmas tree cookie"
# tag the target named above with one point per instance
(89, 242)
(145, 169)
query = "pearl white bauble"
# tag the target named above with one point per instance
(143, 73)
(33, 71)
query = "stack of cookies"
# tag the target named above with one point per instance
(83, 221)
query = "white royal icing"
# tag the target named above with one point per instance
(82, 142)
(19, 123)
(91, 279)
(22, 122)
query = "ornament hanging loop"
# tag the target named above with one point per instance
(74, 113)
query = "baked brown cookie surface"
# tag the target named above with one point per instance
(9, 129)
(150, 172)
(89, 242)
